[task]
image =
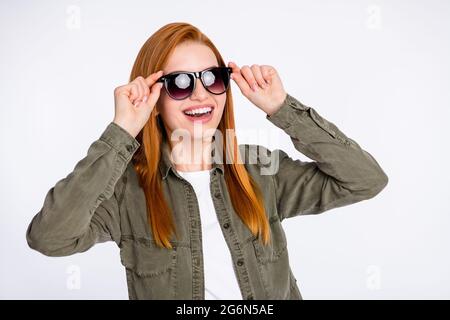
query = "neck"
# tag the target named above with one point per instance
(191, 154)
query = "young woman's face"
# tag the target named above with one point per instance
(191, 57)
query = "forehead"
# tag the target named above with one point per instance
(190, 57)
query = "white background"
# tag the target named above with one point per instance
(379, 70)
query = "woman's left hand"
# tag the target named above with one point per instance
(261, 85)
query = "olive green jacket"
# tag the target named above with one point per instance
(101, 200)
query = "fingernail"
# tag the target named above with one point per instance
(145, 99)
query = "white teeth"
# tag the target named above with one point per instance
(199, 111)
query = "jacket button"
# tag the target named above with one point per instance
(240, 262)
(217, 195)
(129, 147)
(250, 297)
(226, 225)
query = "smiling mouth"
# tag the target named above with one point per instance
(199, 113)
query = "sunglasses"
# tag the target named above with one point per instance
(180, 84)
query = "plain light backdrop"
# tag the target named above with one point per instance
(379, 70)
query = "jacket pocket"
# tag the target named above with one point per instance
(273, 263)
(150, 269)
(276, 247)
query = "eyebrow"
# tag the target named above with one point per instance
(191, 71)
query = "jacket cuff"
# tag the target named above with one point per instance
(288, 115)
(284, 117)
(120, 140)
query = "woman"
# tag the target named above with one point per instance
(209, 227)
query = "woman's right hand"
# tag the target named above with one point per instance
(135, 101)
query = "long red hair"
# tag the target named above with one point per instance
(244, 192)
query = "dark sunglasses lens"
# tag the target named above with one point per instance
(180, 85)
(216, 80)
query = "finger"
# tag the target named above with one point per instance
(238, 78)
(144, 86)
(143, 89)
(121, 90)
(155, 91)
(234, 68)
(134, 92)
(267, 72)
(236, 71)
(146, 91)
(256, 69)
(135, 83)
(151, 79)
(248, 75)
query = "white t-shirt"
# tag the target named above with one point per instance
(220, 278)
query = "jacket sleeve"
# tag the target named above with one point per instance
(342, 173)
(82, 209)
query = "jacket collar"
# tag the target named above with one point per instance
(166, 164)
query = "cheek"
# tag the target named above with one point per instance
(168, 105)
(220, 108)
(172, 116)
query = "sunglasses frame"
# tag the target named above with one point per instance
(197, 75)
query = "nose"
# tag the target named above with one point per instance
(200, 93)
